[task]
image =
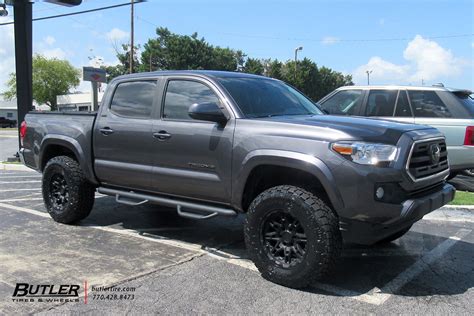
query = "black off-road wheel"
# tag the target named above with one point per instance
(395, 236)
(292, 236)
(67, 194)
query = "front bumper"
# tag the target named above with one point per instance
(412, 210)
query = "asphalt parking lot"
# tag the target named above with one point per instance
(164, 263)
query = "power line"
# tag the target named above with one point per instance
(78, 12)
(336, 40)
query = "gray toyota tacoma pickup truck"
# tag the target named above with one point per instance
(220, 143)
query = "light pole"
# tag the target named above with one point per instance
(368, 72)
(296, 58)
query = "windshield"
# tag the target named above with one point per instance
(265, 97)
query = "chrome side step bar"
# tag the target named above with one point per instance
(133, 198)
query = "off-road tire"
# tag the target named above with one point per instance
(395, 236)
(320, 225)
(78, 198)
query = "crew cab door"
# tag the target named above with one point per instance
(191, 158)
(123, 135)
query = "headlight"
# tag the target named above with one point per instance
(366, 153)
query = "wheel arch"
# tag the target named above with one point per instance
(60, 145)
(296, 167)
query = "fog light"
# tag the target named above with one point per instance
(379, 193)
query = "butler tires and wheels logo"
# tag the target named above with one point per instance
(48, 293)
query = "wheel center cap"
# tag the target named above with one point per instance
(286, 237)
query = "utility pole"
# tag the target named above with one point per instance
(368, 72)
(23, 57)
(296, 59)
(131, 34)
(422, 82)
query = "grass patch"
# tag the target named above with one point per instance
(11, 162)
(9, 129)
(463, 198)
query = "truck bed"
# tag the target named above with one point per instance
(46, 129)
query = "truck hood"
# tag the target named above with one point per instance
(367, 129)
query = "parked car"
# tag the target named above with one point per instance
(221, 143)
(4, 122)
(449, 110)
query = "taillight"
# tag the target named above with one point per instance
(22, 131)
(469, 138)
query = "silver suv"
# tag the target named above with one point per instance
(449, 110)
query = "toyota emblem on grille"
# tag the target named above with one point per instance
(435, 153)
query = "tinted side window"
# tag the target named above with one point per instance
(428, 104)
(181, 94)
(344, 102)
(403, 107)
(134, 99)
(381, 103)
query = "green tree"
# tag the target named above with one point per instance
(273, 69)
(330, 80)
(313, 81)
(254, 66)
(170, 51)
(51, 77)
(123, 67)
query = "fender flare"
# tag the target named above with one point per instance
(74, 146)
(289, 159)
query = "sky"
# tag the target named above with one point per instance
(401, 42)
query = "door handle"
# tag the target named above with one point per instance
(162, 135)
(106, 131)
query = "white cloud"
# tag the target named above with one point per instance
(431, 60)
(330, 40)
(425, 59)
(58, 53)
(381, 69)
(117, 34)
(49, 40)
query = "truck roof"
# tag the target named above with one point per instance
(203, 73)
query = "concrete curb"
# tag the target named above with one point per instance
(464, 207)
(14, 167)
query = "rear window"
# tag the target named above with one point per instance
(467, 101)
(428, 104)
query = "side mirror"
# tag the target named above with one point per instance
(207, 112)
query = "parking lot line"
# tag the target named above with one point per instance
(15, 190)
(375, 296)
(127, 232)
(29, 181)
(14, 177)
(21, 199)
(379, 296)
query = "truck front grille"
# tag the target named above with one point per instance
(427, 158)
